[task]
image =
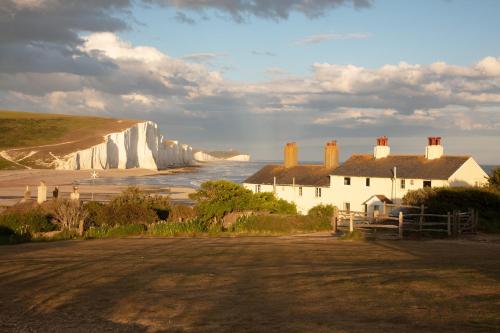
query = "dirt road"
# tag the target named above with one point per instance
(259, 284)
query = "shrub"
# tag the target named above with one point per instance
(181, 213)
(70, 214)
(446, 199)
(267, 202)
(217, 198)
(96, 214)
(34, 221)
(321, 211)
(105, 231)
(134, 207)
(494, 179)
(171, 229)
(280, 224)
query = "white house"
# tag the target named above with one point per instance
(364, 182)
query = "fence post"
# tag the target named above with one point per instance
(421, 219)
(449, 224)
(476, 220)
(400, 225)
(335, 219)
(456, 223)
(351, 222)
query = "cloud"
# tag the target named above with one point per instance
(239, 10)
(263, 53)
(202, 57)
(316, 39)
(183, 18)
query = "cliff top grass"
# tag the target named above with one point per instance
(25, 132)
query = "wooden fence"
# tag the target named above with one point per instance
(450, 224)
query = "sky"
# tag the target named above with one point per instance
(252, 75)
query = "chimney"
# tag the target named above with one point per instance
(331, 155)
(434, 149)
(381, 150)
(291, 152)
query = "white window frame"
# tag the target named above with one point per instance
(317, 192)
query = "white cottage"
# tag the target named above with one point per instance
(364, 182)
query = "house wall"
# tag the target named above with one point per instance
(291, 194)
(357, 193)
(469, 174)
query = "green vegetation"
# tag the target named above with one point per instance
(280, 224)
(321, 211)
(494, 179)
(189, 228)
(447, 199)
(217, 198)
(116, 231)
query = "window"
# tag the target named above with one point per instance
(347, 207)
(367, 182)
(318, 192)
(257, 188)
(427, 183)
(403, 184)
(347, 180)
(412, 182)
(300, 191)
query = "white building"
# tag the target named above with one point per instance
(364, 182)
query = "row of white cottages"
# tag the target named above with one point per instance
(364, 182)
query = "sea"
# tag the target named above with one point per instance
(233, 171)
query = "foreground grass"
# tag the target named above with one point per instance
(295, 284)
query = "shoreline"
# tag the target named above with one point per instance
(13, 183)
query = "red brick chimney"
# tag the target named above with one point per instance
(382, 149)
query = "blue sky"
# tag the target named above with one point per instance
(253, 74)
(417, 32)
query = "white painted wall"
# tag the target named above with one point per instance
(292, 194)
(469, 174)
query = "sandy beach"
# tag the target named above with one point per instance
(13, 184)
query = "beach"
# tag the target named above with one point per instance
(13, 183)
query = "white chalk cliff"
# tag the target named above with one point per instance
(140, 146)
(202, 156)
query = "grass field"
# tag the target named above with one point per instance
(25, 132)
(259, 284)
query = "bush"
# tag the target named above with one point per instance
(280, 224)
(131, 207)
(171, 229)
(267, 202)
(447, 199)
(181, 213)
(494, 179)
(218, 198)
(115, 231)
(321, 211)
(34, 221)
(70, 214)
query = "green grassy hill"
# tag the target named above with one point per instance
(29, 139)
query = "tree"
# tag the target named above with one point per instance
(494, 179)
(217, 198)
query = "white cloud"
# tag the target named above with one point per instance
(316, 39)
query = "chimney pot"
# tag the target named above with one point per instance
(434, 148)
(382, 149)
(331, 155)
(291, 153)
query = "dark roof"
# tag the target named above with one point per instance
(408, 166)
(380, 197)
(308, 175)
